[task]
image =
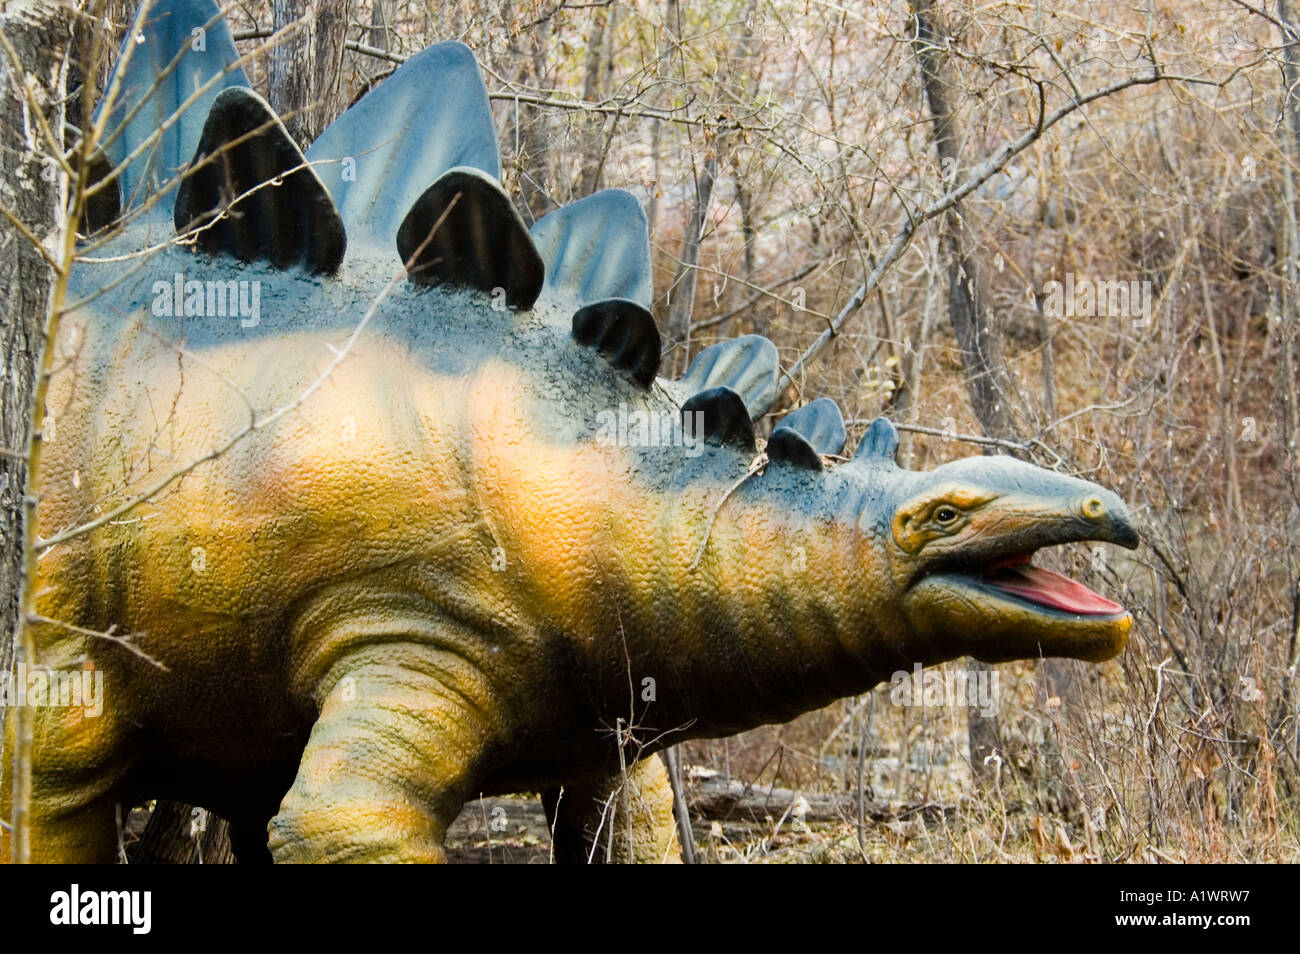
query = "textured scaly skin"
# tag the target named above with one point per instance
(433, 576)
(421, 575)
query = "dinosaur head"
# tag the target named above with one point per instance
(962, 541)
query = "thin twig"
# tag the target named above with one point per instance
(754, 468)
(981, 174)
(123, 641)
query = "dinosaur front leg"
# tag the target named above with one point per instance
(627, 819)
(388, 763)
(78, 764)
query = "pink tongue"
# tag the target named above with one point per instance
(1051, 589)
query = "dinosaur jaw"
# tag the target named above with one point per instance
(1009, 609)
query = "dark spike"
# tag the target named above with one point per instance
(102, 208)
(726, 420)
(789, 448)
(624, 333)
(464, 231)
(244, 149)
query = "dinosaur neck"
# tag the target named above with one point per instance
(789, 606)
(786, 609)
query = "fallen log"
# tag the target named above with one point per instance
(719, 799)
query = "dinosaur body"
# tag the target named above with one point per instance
(437, 566)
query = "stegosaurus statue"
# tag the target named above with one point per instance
(390, 508)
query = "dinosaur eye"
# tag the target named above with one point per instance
(946, 515)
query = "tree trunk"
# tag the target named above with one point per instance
(39, 33)
(682, 290)
(535, 183)
(306, 85)
(667, 37)
(683, 287)
(1289, 326)
(681, 811)
(591, 148)
(968, 311)
(179, 834)
(744, 198)
(981, 354)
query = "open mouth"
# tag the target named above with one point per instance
(1016, 576)
(981, 594)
